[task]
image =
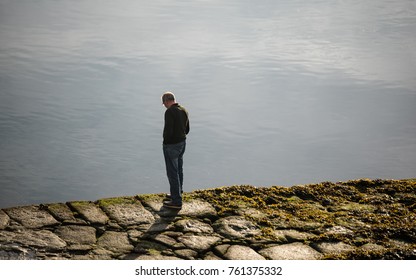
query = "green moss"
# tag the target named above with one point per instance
(80, 203)
(57, 207)
(150, 197)
(116, 200)
(369, 211)
(375, 211)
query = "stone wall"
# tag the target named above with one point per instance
(362, 219)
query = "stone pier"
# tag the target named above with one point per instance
(361, 219)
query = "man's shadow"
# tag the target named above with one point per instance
(146, 242)
(166, 217)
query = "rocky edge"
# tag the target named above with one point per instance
(361, 219)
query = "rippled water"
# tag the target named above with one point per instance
(279, 93)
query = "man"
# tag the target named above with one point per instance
(174, 142)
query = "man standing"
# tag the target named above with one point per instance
(174, 142)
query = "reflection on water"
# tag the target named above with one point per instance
(279, 93)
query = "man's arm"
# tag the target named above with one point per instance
(168, 129)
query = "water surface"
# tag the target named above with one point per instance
(279, 93)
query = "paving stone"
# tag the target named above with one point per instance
(168, 241)
(373, 247)
(292, 251)
(157, 257)
(77, 237)
(96, 254)
(238, 252)
(333, 247)
(210, 256)
(4, 219)
(195, 226)
(17, 254)
(194, 208)
(147, 246)
(339, 230)
(198, 243)
(221, 249)
(158, 226)
(6, 237)
(128, 213)
(135, 235)
(236, 227)
(186, 254)
(63, 213)
(68, 231)
(116, 242)
(90, 211)
(290, 235)
(33, 238)
(252, 213)
(31, 217)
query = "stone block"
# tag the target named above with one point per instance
(77, 237)
(238, 252)
(31, 217)
(63, 213)
(127, 212)
(198, 243)
(195, 226)
(292, 251)
(4, 220)
(236, 227)
(34, 239)
(333, 247)
(90, 212)
(195, 208)
(117, 242)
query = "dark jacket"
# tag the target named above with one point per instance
(176, 124)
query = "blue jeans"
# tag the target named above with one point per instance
(174, 168)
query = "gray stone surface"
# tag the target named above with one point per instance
(63, 213)
(236, 227)
(168, 241)
(211, 257)
(17, 254)
(4, 219)
(124, 228)
(33, 239)
(186, 254)
(117, 242)
(157, 257)
(77, 237)
(90, 212)
(373, 247)
(333, 247)
(31, 217)
(199, 243)
(147, 246)
(291, 235)
(339, 230)
(238, 252)
(158, 226)
(129, 214)
(195, 226)
(292, 251)
(194, 208)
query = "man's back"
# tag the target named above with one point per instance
(176, 124)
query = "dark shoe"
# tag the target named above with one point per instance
(170, 204)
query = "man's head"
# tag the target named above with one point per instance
(168, 99)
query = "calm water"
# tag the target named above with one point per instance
(279, 93)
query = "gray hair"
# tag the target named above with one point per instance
(168, 96)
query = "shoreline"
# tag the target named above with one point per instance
(358, 219)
